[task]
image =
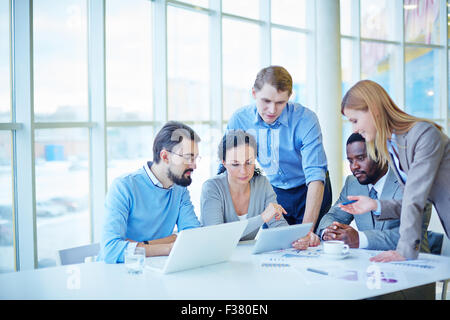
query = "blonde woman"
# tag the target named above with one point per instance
(419, 153)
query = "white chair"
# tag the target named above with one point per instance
(445, 251)
(78, 254)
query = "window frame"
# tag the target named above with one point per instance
(22, 125)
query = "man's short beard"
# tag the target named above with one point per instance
(371, 179)
(180, 180)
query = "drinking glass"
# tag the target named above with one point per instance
(135, 260)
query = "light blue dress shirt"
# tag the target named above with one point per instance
(139, 209)
(290, 150)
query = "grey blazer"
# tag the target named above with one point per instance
(217, 206)
(424, 154)
(381, 235)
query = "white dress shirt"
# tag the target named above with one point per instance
(378, 186)
(393, 150)
(152, 176)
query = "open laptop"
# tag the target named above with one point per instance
(280, 237)
(200, 247)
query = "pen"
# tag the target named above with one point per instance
(317, 271)
(348, 202)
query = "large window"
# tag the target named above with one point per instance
(61, 154)
(188, 65)
(62, 191)
(249, 8)
(378, 63)
(400, 45)
(129, 85)
(293, 58)
(241, 63)
(60, 60)
(128, 148)
(289, 12)
(423, 71)
(422, 22)
(378, 19)
(104, 76)
(349, 67)
(129, 90)
(423, 63)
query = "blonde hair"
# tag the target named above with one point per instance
(367, 95)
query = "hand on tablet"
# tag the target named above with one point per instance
(273, 210)
(310, 240)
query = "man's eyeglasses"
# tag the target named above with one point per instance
(188, 157)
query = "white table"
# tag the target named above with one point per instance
(242, 277)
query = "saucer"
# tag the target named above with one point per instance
(335, 256)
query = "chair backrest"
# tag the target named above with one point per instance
(78, 254)
(445, 251)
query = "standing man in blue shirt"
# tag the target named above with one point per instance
(290, 149)
(143, 207)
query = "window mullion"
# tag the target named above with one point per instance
(400, 94)
(97, 113)
(266, 32)
(22, 103)
(216, 75)
(160, 99)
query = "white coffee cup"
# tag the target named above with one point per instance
(335, 247)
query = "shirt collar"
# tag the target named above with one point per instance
(283, 119)
(152, 177)
(379, 185)
(392, 142)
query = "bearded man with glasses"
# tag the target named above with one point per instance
(143, 207)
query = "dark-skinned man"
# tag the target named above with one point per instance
(371, 180)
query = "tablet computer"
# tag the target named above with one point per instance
(280, 237)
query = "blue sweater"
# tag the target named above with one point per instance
(138, 210)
